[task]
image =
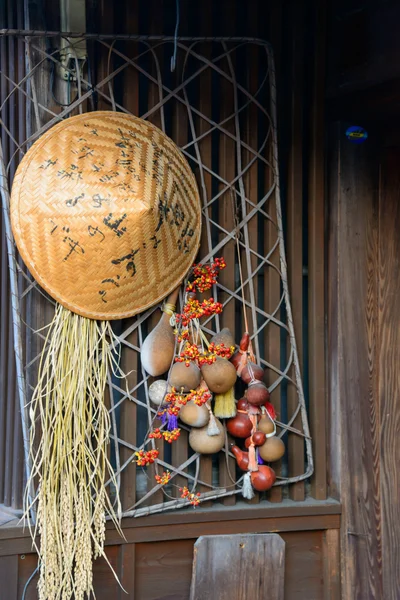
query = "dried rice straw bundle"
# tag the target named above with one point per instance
(106, 214)
(71, 460)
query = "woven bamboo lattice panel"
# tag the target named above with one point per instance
(219, 106)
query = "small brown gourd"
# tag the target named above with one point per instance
(266, 425)
(240, 426)
(252, 371)
(258, 439)
(185, 378)
(194, 415)
(220, 376)
(200, 441)
(242, 458)
(242, 404)
(273, 449)
(257, 393)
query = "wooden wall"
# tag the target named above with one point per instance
(155, 562)
(364, 330)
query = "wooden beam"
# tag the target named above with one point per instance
(316, 262)
(353, 332)
(15, 544)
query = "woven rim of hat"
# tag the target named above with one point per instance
(106, 214)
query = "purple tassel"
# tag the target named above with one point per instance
(163, 417)
(172, 422)
(259, 459)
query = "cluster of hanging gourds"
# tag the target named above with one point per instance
(254, 422)
(199, 369)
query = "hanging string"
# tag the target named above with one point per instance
(173, 57)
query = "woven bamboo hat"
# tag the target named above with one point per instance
(106, 214)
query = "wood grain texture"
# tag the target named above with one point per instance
(316, 262)
(259, 567)
(162, 569)
(272, 292)
(389, 380)
(8, 577)
(331, 562)
(354, 442)
(295, 239)
(127, 571)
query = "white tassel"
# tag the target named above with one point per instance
(247, 490)
(212, 428)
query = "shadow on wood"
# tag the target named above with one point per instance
(238, 567)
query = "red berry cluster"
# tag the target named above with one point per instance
(192, 498)
(144, 458)
(205, 276)
(189, 353)
(156, 434)
(164, 478)
(176, 400)
(171, 436)
(194, 309)
(168, 436)
(199, 397)
(173, 398)
(182, 336)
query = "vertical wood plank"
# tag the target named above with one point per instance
(295, 234)
(259, 564)
(316, 262)
(272, 291)
(331, 564)
(353, 331)
(126, 571)
(389, 357)
(9, 577)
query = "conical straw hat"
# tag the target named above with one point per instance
(106, 214)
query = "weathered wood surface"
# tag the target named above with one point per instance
(389, 360)
(316, 262)
(295, 443)
(238, 567)
(162, 570)
(353, 348)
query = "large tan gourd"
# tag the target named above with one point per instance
(185, 377)
(223, 337)
(194, 415)
(200, 441)
(157, 351)
(220, 376)
(273, 449)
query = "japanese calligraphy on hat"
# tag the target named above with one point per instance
(106, 214)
